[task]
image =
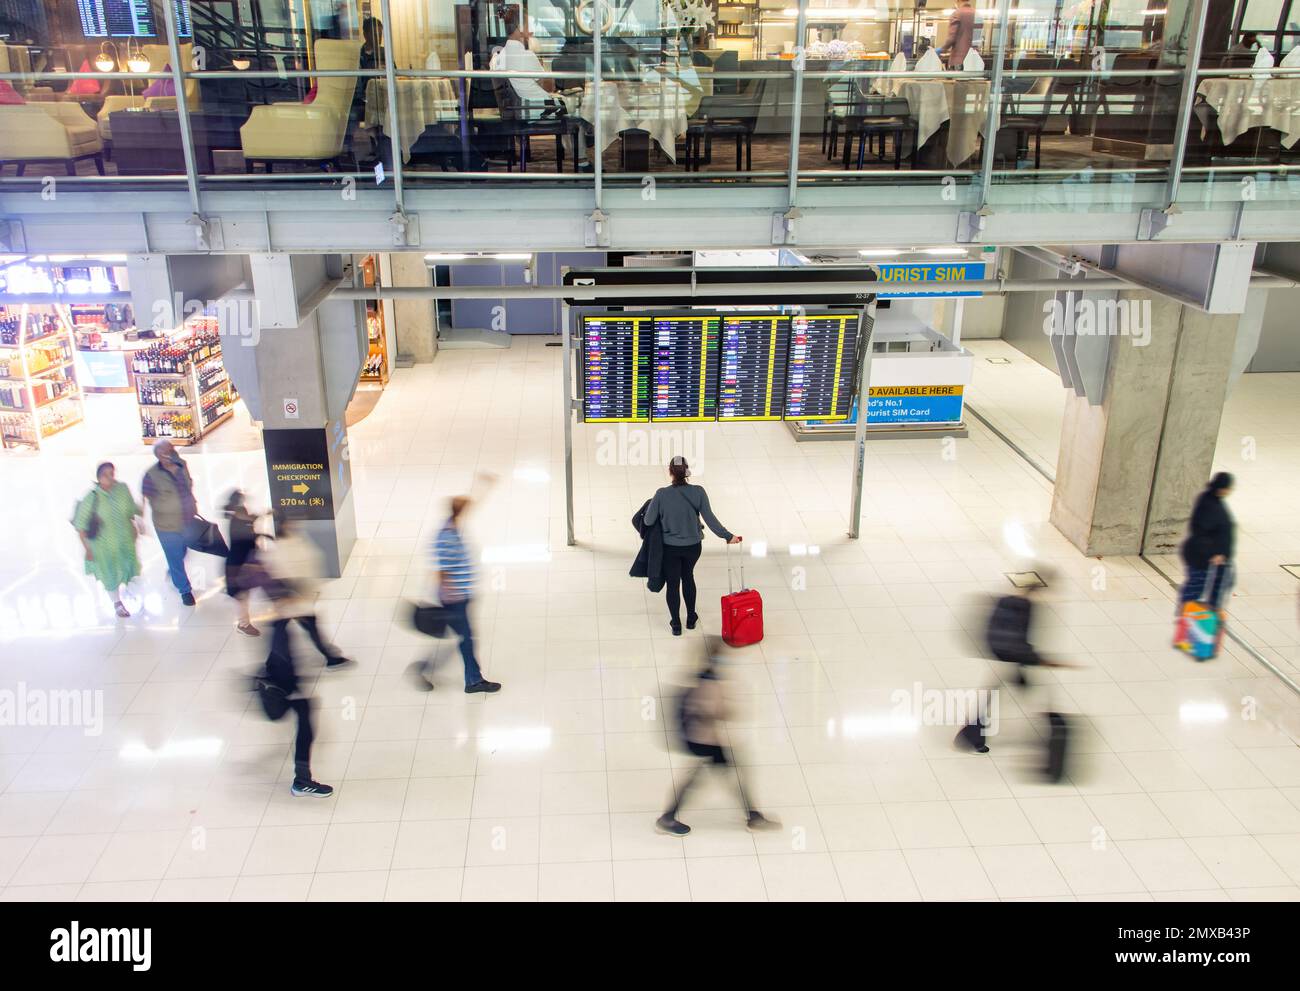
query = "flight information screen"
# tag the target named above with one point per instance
(616, 368)
(753, 355)
(819, 380)
(684, 367)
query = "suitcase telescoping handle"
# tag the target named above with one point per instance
(731, 590)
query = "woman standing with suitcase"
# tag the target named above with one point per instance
(678, 508)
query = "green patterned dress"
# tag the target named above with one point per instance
(113, 548)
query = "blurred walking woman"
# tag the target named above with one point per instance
(243, 571)
(1207, 551)
(678, 508)
(107, 520)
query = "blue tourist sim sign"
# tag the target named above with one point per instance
(930, 272)
(915, 404)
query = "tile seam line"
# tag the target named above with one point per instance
(1236, 638)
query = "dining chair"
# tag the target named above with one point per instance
(1026, 114)
(872, 115)
(725, 116)
(521, 122)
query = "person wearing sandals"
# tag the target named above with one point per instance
(243, 572)
(108, 521)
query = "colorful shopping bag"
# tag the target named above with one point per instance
(1199, 630)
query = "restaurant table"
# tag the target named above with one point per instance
(961, 102)
(654, 108)
(1244, 102)
(420, 103)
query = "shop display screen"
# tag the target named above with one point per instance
(616, 368)
(676, 367)
(684, 378)
(819, 379)
(752, 366)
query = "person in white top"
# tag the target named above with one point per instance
(297, 565)
(517, 56)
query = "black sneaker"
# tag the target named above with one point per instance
(310, 789)
(667, 824)
(487, 687)
(757, 822)
(691, 621)
(339, 661)
(187, 598)
(676, 628)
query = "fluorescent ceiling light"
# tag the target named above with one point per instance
(879, 252)
(517, 257)
(442, 257)
(944, 252)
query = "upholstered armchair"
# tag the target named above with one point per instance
(159, 57)
(49, 132)
(306, 132)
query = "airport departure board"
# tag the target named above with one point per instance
(616, 368)
(753, 355)
(684, 368)
(706, 365)
(819, 379)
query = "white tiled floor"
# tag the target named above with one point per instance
(549, 790)
(1259, 442)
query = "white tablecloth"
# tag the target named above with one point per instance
(963, 102)
(420, 102)
(659, 105)
(1245, 103)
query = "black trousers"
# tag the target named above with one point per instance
(714, 756)
(679, 571)
(308, 623)
(302, 740)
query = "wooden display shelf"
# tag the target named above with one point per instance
(34, 341)
(176, 441)
(161, 375)
(75, 394)
(220, 420)
(61, 427)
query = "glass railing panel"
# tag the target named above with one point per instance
(1245, 118)
(80, 98)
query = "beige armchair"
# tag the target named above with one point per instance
(306, 132)
(49, 132)
(159, 57)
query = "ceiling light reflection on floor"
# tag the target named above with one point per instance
(1202, 712)
(758, 548)
(1016, 538)
(520, 739)
(859, 727)
(531, 473)
(200, 746)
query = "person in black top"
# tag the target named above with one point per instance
(242, 569)
(1207, 551)
(1007, 636)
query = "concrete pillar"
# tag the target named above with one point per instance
(297, 379)
(1130, 467)
(414, 324)
(1202, 371)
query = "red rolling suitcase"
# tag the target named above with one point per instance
(742, 612)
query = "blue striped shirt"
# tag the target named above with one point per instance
(451, 557)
